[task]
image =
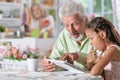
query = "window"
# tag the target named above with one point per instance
(100, 8)
(104, 8)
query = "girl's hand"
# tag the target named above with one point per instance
(92, 57)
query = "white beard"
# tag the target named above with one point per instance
(78, 38)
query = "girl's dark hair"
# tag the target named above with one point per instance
(100, 23)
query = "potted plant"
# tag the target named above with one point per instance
(1, 14)
(33, 64)
(2, 31)
(33, 58)
(14, 53)
(2, 28)
(14, 59)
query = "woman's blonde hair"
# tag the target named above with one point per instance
(42, 9)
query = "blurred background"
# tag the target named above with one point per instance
(16, 14)
(107, 8)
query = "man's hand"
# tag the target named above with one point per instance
(48, 66)
(70, 57)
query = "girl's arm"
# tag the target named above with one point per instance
(105, 59)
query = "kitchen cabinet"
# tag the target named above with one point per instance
(11, 14)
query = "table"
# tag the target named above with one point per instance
(59, 75)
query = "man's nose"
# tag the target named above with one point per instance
(73, 30)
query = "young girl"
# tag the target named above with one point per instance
(105, 38)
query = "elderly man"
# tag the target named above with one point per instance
(72, 44)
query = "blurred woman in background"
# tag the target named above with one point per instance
(41, 24)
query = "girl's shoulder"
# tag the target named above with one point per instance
(114, 45)
(110, 50)
(113, 51)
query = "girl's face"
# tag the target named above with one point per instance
(36, 12)
(95, 39)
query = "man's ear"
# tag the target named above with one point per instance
(84, 24)
(102, 34)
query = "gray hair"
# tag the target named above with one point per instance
(44, 13)
(70, 8)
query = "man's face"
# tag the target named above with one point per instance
(74, 25)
